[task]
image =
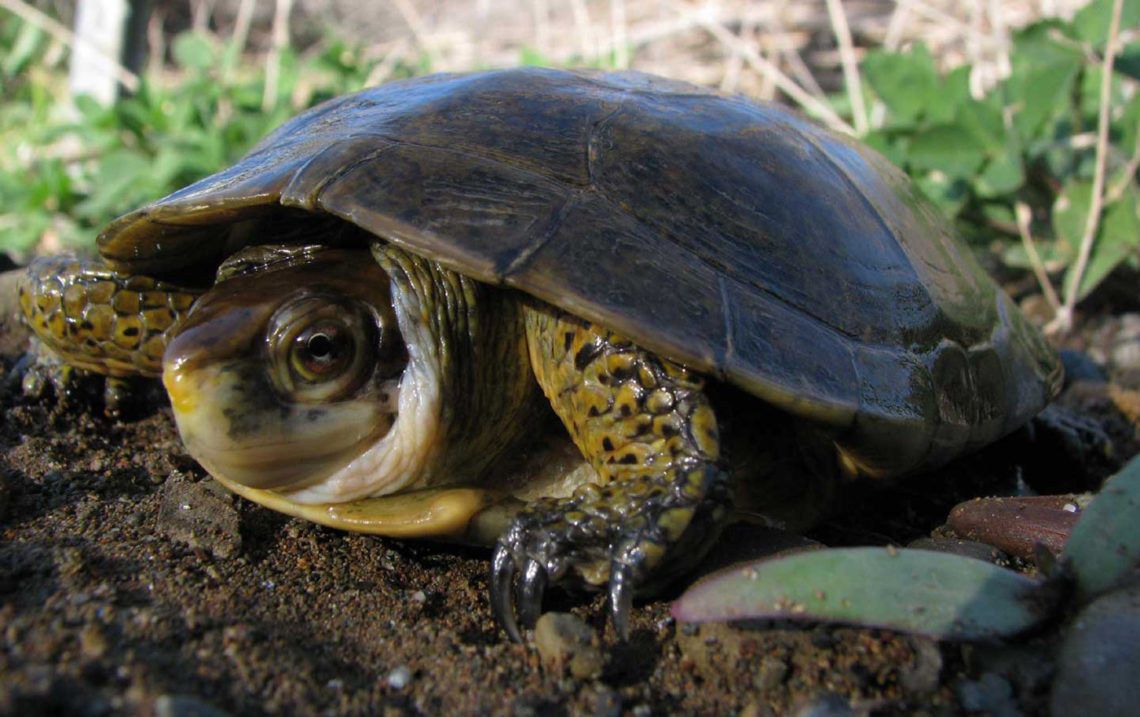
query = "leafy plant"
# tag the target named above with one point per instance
(942, 595)
(1028, 146)
(67, 171)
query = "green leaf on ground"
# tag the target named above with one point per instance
(937, 594)
(1105, 544)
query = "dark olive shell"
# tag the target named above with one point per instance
(733, 236)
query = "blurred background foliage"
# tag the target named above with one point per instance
(998, 110)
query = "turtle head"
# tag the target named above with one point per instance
(293, 375)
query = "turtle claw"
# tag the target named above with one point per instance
(502, 596)
(532, 585)
(621, 597)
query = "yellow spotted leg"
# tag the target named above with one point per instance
(648, 428)
(96, 320)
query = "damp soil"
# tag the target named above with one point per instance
(130, 582)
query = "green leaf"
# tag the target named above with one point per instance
(1128, 61)
(948, 148)
(905, 82)
(1117, 239)
(1127, 127)
(1105, 544)
(28, 42)
(194, 51)
(984, 122)
(949, 193)
(1044, 70)
(1003, 174)
(892, 145)
(1091, 22)
(1052, 254)
(953, 92)
(531, 57)
(1088, 93)
(937, 594)
(1070, 211)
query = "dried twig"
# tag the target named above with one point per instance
(582, 30)
(764, 67)
(620, 32)
(1023, 216)
(273, 61)
(383, 69)
(1064, 320)
(62, 34)
(850, 65)
(735, 61)
(414, 21)
(241, 25)
(786, 47)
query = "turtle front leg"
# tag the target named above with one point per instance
(89, 319)
(650, 432)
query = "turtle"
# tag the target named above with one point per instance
(374, 317)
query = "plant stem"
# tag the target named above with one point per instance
(1064, 320)
(1023, 216)
(850, 65)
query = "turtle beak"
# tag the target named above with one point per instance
(234, 424)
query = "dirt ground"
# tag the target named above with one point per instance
(130, 582)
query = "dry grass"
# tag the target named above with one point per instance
(794, 49)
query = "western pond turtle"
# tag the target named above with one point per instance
(718, 298)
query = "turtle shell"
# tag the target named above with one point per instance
(732, 236)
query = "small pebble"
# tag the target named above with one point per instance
(565, 642)
(608, 703)
(828, 704)
(772, 672)
(185, 706)
(92, 642)
(921, 676)
(990, 694)
(1079, 366)
(1098, 667)
(399, 678)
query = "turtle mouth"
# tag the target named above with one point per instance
(239, 430)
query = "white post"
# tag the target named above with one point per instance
(100, 28)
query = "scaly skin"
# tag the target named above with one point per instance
(648, 428)
(644, 423)
(100, 321)
(489, 402)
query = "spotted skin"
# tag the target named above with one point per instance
(649, 430)
(99, 321)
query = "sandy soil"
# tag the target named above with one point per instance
(129, 582)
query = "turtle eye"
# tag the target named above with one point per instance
(321, 349)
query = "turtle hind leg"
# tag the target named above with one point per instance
(650, 432)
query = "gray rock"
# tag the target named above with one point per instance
(1098, 668)
(399, 678)
(564, 642)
